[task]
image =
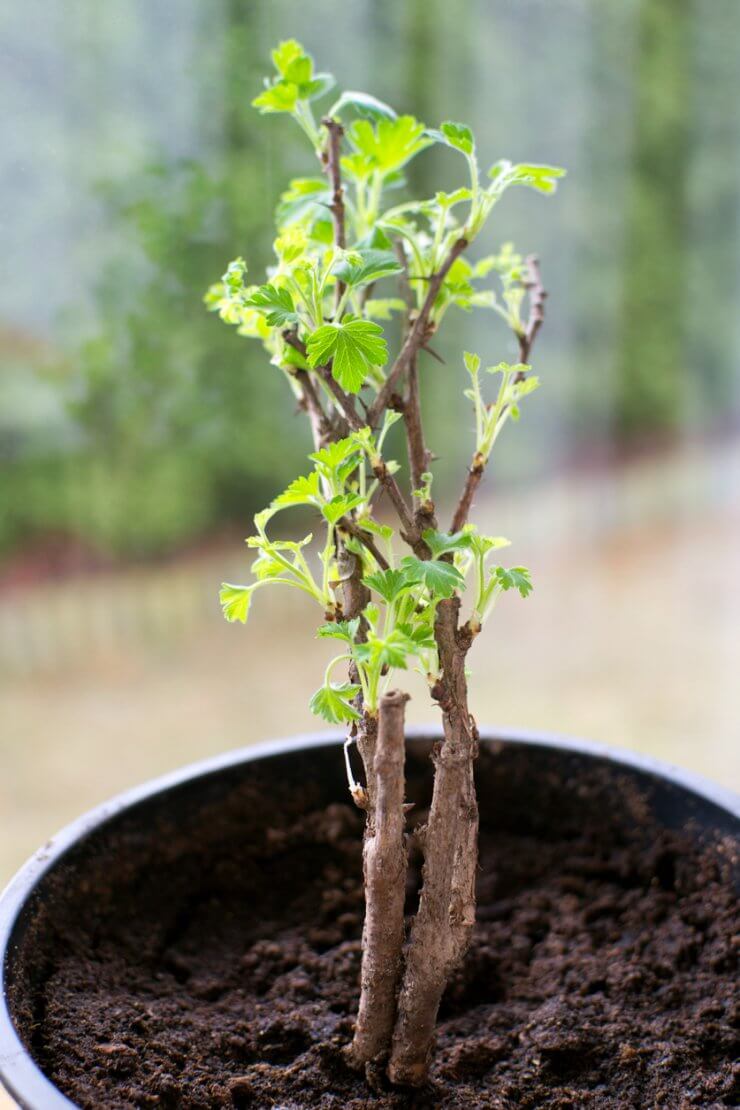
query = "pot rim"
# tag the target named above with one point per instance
(19, 1073)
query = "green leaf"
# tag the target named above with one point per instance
(341, 505)
(363, 104)
(317, 87)
(304, 197)
(276, 305)
(472, 363)
(285, 54)
(441, 579)
(388, 583)
(388, 651)
(366, 266)
(515, 578)
(301, 491)
(331, 457)
(483, 544)
(383, 308)
(542, 178)
(421, 635)
(390, 143)
(280, 97)
(457, 135)
(235, 601)
(266, 566)
(339, 630)
(383, 530)
(353, 345)
(441, 542)
(333, 703)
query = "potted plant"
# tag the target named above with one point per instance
(202, 942)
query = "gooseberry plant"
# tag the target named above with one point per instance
(343, 236)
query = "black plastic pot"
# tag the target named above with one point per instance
(677, 799)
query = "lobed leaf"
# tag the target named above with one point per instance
(366, 266)
(275, 304)
(388, 583)
(515, 578)
(235, 601)
(333, 703)
(353, 346)
(441, 579)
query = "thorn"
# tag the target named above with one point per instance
(434, 354)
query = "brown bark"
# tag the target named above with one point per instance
(537, 296)
(444, 921)
(472, 481)
(384, 864)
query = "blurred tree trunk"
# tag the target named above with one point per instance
(652, 364)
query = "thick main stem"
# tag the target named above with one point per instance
(384, 865)
(444, 921)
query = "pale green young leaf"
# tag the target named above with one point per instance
(542, 178)
(363, 104)
(280, 97)
(390, 143)
(384, 531)
(441, 542)
(304, 490)
(385, 651)
(285, 54)
(382, 308)
(319, 85)
(366, 266)
(514, 578)
(334, 454)
(472, 363)
(302, 199)
(421, 635)
(265, 566)
(339, 506)
(340, 630)
(235, 601)
(275, 304)
(333, 703)
(457, 135)
(481, 545)
(388, 583)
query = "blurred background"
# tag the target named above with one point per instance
(138, 434)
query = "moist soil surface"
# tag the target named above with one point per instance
(209, 956)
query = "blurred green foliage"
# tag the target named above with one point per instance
(131, 421)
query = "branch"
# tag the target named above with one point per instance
(384, 864)
(419, 457)
(472, 481)
(330, 160)
(344, 401)
(537, 296)
(416, 337)
(310, 401)
(442, 928)
(346, 524)
(410, 532)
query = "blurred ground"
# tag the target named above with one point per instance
(631, 637)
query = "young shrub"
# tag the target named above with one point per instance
(349, 256)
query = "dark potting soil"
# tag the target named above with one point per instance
(212, 959)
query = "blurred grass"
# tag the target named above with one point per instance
(629, 638)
